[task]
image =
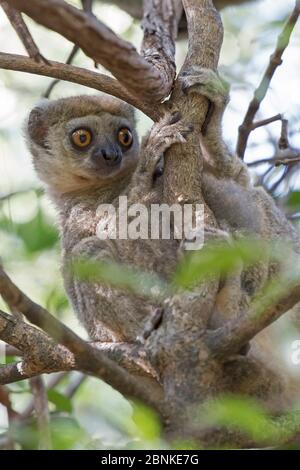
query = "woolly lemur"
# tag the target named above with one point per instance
(86, 151)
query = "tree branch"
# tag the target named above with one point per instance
(77, 75)
(40, 353)
(23, 32)
(265, 122)
(40, 397)
(160, 26)
(260, 93)
(288, 161)
(101, 44)
(282, 157)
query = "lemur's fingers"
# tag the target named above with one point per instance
(168, 131)
(206, 82)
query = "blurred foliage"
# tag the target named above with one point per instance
(222, 258)
(37, 234)
(66, 433)
(245, 416)
(96, 416)
(122, 276)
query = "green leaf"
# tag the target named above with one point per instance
(61, 402)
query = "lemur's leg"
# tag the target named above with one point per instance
(208, 83)
(167, 132)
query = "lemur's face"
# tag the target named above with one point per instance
(82, 142)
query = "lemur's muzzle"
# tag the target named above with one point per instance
(110, 154)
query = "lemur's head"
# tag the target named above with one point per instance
(82, 142)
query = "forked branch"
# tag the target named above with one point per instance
(260, 93)
(101, 44)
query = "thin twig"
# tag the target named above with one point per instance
(282, 155)
(42, 412)
(288, 161)
(265, 122)
(283, 142)
(5, 401)
(260, 93)
(23, 32)
(53, 382)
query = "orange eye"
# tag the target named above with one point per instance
(81, 138)
(125, 137)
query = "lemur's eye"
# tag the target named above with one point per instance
(81, 138)
(125, 137)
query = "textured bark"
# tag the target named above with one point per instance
(42, 355)
(160, 25)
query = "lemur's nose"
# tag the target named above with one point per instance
(112, 155)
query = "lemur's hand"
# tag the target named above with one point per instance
(170, 130)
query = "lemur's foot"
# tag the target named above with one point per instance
(208, 83)
(168, 131)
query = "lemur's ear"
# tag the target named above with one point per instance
(37, 125)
